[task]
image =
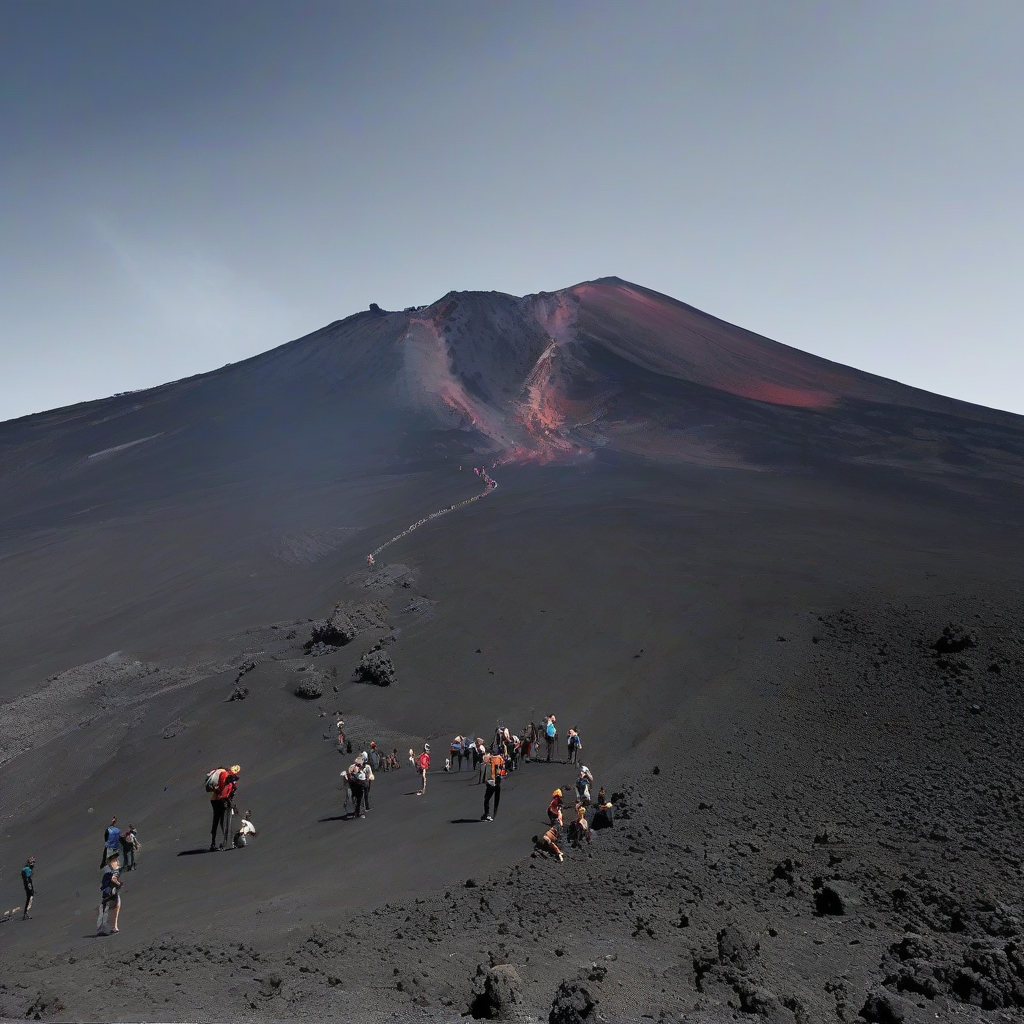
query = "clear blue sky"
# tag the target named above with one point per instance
(184, 184)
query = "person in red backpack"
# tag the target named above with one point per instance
(222, 784)
(422, 764)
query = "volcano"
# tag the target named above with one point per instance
(726, 561)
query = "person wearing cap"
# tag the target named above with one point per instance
(220, 798)
(28, 882)
(423, 766)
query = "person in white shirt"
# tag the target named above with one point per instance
(245, 830)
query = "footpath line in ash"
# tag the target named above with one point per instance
(490, 484)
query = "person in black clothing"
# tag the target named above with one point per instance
(28, 882)
(494, 769)
(602, 813)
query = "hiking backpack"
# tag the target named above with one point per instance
(213, 780)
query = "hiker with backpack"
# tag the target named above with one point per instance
(457, 751)
(222, 785)
(550, 735)
(478, 752)
(28, 881)
(110, 897)
(357, 782)
(111, 841)
(583, 783)
(129, 847)
(574, 745)
(494, 772)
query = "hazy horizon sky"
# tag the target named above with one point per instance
(187, 184)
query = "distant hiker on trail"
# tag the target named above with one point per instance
(422, 765)
(549, 842)
(529, 740)
(129, 847)
(28, 881)
(583, 783)
(340, 726)
(347, 785)
(555, 808)
(494, 771)
(479, 750)
(245, 830)
(457, 751)
(222, 784)
(369, 561)
(550, 735)
(602, 813)
(110, 897)
(368, 778)
(111, 841)
(574, 745)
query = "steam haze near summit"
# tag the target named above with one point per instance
(184, 185)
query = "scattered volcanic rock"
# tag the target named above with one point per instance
(311, 686)
(497, 993)
(573, 1004)
(375, 667)
(346, 623)
(883, 1007)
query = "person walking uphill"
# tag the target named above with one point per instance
(110, 897)
(111, 841)
(222, 784)
(27, 880)
(494, 772)
(129, 847)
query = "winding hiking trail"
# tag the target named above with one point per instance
(489, 486)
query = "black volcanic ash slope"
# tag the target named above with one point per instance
(683, 511)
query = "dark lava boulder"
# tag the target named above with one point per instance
(310, 686)
(736, 948)
(346, 623)
(573, 1004)
(883, 1007)
(954, 640)
(375, 667)
(497, 993)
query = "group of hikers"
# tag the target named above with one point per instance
(492, 764)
